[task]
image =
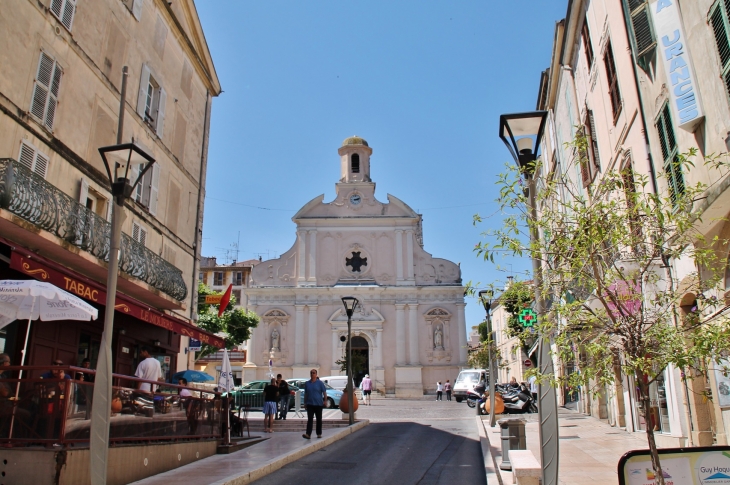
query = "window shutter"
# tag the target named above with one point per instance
(57, 8)
(41, 164)
(137, 9)
(27, 155)
(53, 97)
(142, 236)
(594, 141)
(145, 183)
(642, 31)
(69, 12)
(154, 191)
(41, 89)
(109, 203)
(144, 80)
(135, 231)
(83, 191)
(720, 21)
(133, 178)
(161, 112)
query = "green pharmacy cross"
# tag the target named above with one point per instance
(527, 317)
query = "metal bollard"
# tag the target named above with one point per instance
(513, 438)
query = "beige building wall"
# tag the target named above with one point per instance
(88, 45)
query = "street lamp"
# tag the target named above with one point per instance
(522, 133)
(486, 296)
(350, 303)
(119, 161)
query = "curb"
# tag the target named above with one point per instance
(490, 467)
(273, 465)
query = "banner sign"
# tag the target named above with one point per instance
(722, 381)
(94, 292)
(684, 97)
(707, 465)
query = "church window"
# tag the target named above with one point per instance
(355, 163)
(356, 262)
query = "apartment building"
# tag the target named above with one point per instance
(646, 81)
(219, 276)
(60, 90)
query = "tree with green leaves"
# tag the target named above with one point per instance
(613, 304)
(515, 298)
(235, 324)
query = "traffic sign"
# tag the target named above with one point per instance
(528, 363)
(527, 317)
(210, 299)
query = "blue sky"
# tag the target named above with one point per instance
(424, 82)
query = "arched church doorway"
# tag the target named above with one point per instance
(360, 359)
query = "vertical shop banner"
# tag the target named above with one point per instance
(722, 380)
(684, 97)
(708, 465)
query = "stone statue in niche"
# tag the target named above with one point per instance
(275, 340)
(438, 338)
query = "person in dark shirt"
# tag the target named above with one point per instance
(271, 394)
(283, 397)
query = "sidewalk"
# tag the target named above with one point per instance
(589, 448)
(251, 463)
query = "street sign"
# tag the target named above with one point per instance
(194, 345)
(527, 317)
(528, 363)
(210, 299)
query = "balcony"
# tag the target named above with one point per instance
(33, 199)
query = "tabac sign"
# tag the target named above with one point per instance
(684, 97)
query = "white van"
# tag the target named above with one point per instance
(338, 382)
(468, 378)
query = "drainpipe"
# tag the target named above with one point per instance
(199, 209)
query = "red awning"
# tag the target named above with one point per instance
(44, 270)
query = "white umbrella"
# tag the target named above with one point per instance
(32, 300)
(226, 383)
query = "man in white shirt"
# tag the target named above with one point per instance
(533, 387)
(148, 369)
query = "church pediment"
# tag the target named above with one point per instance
(367, 315)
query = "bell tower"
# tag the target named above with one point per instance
(355, 160)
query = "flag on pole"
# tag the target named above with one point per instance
(225, 300)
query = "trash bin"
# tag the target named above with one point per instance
(513, 438)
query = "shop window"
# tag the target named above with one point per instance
(720, 21)
(612, 78)
(670, 155)
(658, 417)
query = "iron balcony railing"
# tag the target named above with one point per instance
(39, 202)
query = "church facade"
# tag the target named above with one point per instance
(408, 331)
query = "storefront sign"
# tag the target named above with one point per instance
(684, 97)
(527, 317)
(707, 465)
(194, 345)
(210, 299)
(94, 292)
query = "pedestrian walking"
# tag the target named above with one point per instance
(315, 394)
(271, 392)
(439, 391)
(533, 387)
(367, 388)
(447, 389)
(283, 397)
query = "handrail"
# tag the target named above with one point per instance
(39, 202)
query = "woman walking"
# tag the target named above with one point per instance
(447, 388)
(271, 393)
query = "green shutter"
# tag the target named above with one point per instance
(643, 39)
(720, 21)
(670, 155)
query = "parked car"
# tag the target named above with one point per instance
(336, 382)
(333, 395)
(468, 378)
(252, 393)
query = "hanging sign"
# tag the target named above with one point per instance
(194, 345)
(684, 97)
(527, 317)
(210, 299)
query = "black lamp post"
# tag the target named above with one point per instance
(118, 160)
(350, 303)
(522, 133)
(486, 297)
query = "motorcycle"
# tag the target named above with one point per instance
(516, 401)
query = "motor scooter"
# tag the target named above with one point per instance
(516, 401)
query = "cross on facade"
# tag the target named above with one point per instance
(356, 262)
